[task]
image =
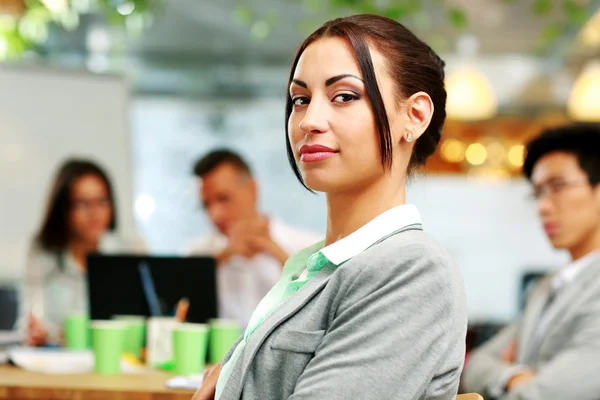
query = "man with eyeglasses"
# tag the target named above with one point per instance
(552, 352)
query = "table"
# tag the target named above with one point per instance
(18, 384)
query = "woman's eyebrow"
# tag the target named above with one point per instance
(329, 81)
(336, 78)
(300, 83)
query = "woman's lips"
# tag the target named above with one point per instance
(551, 229)
(315, 152)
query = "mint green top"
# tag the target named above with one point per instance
(297, 272)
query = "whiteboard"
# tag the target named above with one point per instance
(47, 115)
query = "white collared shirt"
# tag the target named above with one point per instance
(375, 230)
(242, 282)
(378, 228)
(569, 272)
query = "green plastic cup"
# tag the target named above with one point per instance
(135, 336)
(190, 342)
(77, 332)
(223, 334)
(108, 338)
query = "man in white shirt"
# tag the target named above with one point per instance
(552, 352)
(250, 247)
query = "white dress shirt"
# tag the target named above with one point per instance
(568, 273)
(242, 282)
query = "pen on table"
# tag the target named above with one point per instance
(182, 309)
(150, 290)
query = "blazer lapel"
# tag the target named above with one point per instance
(569, 294)
(531, 316)
(282, 313)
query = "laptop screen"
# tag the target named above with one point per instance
(151, 286)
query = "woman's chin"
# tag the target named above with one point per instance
(321, 183)
(315, 183)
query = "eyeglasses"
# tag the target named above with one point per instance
(88, 204)
(554, 188)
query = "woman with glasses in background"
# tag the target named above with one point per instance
(80, 219)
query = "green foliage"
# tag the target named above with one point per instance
(551, 33)
(542, 7)
(576, 13)
(559, 16)
(19, 34)
(458, 18)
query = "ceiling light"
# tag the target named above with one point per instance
(476, 154)
(470, 95)
(584, 100)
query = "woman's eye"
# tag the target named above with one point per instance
(345, 98)
(299, 101)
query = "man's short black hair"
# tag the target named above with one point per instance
(218, 157)
(581, 139)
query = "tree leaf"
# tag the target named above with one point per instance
(542, 7)
(550, 34)
(413, 6)
(396, 13)
(345, 3)
(576, 14)
(312, 6)
(243, 15)
(458, 18)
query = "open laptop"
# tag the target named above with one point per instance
(151, 286)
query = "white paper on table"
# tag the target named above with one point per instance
(185, 382)
(59, 361)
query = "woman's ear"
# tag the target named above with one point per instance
(419, 110)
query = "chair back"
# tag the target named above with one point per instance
(469, 396)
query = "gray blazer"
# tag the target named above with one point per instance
(389, 323)
(567, 357)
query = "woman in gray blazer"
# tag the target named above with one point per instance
(377, 310)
